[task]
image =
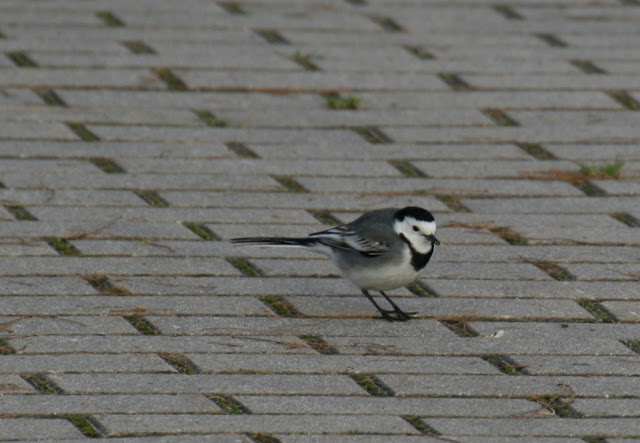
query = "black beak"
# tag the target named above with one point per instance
(433, 239)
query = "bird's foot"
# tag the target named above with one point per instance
(396, 315)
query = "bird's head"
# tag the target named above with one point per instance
(417, 226)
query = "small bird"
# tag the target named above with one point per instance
(381, 250)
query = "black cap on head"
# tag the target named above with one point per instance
(414, 212)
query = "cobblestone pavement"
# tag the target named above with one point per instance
(136, 137)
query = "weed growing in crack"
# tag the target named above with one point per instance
(337, 102)
(608, 170)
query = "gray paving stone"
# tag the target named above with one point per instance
(478, 346)
(615, 187)
(620, 236)
(5, 215)
(342, 364)
(165, 35)
(574, 118)
(491, 169)
(69, 197)
(518, 99)
(310, 81)
(151, 214)
(270, 17)
(250, 167)
(361, 117)
(85, 363)
(270, 328)
(205, 285)
(610, 271)
(328, 118)
(517, 427)
(576, 365)
(570, 332)
(365, 150)
(152, 424)
(249, 135)
(207, 383)
(463, 66)
(521, 439)
(357, 200)
(219, 343)
(13, 130)
(79, 149)
(97, 404)
(105, 116)
(102, 228)
(117, 4)
(486, 308)
(32, 17)
(52, 266)
(157, 182)
(37, 166)
(352, 438)
(553, 82)
(599, 407)
(509, 386)
(191, 248)
(36, 428)
(46, 286)
(521, 134)
(596, 152)
(36, 247)
(24, 326)
(590, 12)
(27, 42)
(527, 221)
(118, 305)
(619, 67)
(239, 57)
(549, 53)
(214, 101)
(114, 78)
(533, 289)
(601, 205)
(439, 39)
(14, 384)
(627, 311)
(188, 438)
(19, 96)
(426, 407)
(430, 186)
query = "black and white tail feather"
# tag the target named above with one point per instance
(340, 237)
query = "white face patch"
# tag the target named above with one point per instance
(416, 232)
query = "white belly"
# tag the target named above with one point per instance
(383, 278)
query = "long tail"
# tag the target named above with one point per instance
(275, 241)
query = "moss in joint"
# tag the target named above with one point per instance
(180, 362)
(84, 425)
(229, 404)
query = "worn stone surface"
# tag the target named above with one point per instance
(138, 137)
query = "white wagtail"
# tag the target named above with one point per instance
(381, 250)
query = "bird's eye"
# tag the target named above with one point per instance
(415, 228)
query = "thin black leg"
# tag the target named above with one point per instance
(396, 308)
(387, 314)
(384, 312)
